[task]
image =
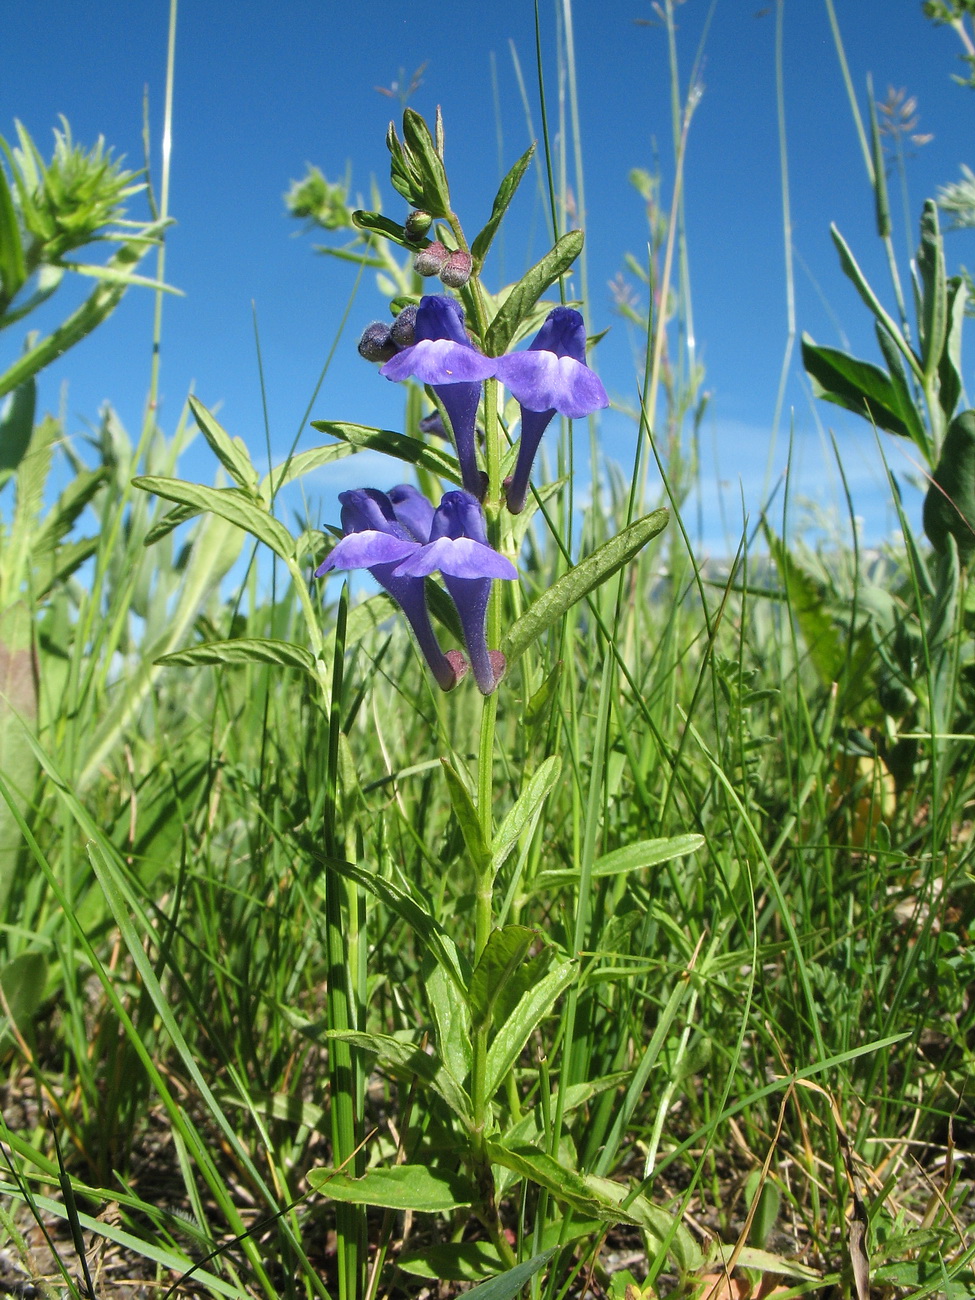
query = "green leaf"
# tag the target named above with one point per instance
(901, 391)
(631, 857)
(403, 1187)
(506, 192)
(585, 1195)
(170, 520)
(881, 200)
(949, 506)
(243, 650)
(399, 445)
(934, 292)
(861, 284)
(950, 383)
(23, 982)
(229, 503)
(525, 811)
(16, 426)
(467, 819)
(377, 224)
(507, 1285)
(503, 953)
(231, 452)
(452, 1022)
(578, 582)
(18, 721)
(296, 467)
(427, 164)
(859, 386)
(13, 268)
(426, 928)
(455, 1261)
(408, 1061)
(535, 1003)
(523, 296)
(805, 598)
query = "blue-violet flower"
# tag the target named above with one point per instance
(444, 357)
(377, 540)
(550, 376)
(458, 546)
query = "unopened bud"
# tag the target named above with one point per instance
(456, 270)
(376, 343)
(402, 330)
(429, 260)
(417, 225)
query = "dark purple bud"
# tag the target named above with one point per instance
(376, 343)
(403, 329)
(417, 224)
(456, 271)
(430, 260)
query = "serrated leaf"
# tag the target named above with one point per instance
(533, 1006)
(404, 1187)
(857, 385)
(231, 504)
(467, 818)
(398, 445)
(503, 953)
(231, 452)
(242, 650)
(506, 192)
(529, 289)
(590, 573)
(631, 857)
(525, 811)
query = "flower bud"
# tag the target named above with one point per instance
(417, 224)
(403, 329)
(456, 270)
(376, 343)
(429, 260)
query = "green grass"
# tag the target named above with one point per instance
(683, 906)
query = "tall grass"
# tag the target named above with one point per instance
(733, 808)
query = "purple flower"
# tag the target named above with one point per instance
(444, 357)
(550, 376)
(459, 548)
(375, 539)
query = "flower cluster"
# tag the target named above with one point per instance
(400, 539)
(398, 536)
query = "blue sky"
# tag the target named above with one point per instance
(262, 89)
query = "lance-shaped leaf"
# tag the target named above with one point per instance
(16, 426)
(467, 818)
(243, 650)
(377, 224)
(949, 506)
(901, 391)
(585, 1195)
(424, 926)
(503, 953)
(231, 452)
(590, 573)
(857, 385)
(531, 1008)
(13, 266)
(403, 1187)
(232, 504)
(506, 192)
(399, 445)
(427, 160)
(304, 462)
(631, 857)
(408, 1061)
(525, 811)
(523, 296)
(934, 290)
(850, 268)
(950, 383)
